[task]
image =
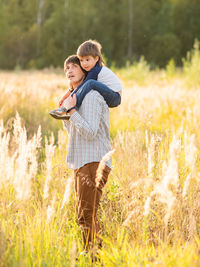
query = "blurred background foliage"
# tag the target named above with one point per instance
(42, 33)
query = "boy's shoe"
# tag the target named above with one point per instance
(60, 113)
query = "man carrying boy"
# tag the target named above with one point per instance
(89, 141)
(99, 78)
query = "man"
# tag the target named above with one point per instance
(89, 141)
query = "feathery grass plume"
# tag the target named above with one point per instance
(141, 182)
(186, 184)
(26, 159)
(73, 254)
(164, 195)
(101, 166)
(134, 204)
(147, 207)
(192, 226)
(146, 138)
(126, 222)
(49, 152)
(171, 170)
(6, 162)
(62, 139)
(51, 209)
(171, 174)
(190, 159)
(151, 150)
(170, 177)
(144, 185)
(175, 147)
(67, 191)
(190, 150)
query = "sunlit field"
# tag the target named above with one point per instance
(150, 210)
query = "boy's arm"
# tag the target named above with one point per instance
(64, 97)
(93, 73)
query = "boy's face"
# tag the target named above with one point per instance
(88, 62)
(74, 74)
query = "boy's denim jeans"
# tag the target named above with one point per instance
(113, 99)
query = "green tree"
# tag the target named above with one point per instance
(164, 47)
(187, 23)
(4, 29)
(40, 33)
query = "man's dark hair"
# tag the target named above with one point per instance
(74, 60)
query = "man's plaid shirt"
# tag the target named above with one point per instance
(88, 130)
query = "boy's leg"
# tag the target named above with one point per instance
(113, 99)
(88, 198)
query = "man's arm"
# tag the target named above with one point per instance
(66, 95)
(67, 125)
(87, 124)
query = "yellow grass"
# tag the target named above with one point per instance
(150, 209)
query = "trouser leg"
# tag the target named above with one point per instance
(88, 196)
(112, 98)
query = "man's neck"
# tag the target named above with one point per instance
(75, 85)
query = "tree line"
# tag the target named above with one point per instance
(42, 33)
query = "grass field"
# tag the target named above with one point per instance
(150, 210)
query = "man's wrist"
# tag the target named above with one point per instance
(71, 110)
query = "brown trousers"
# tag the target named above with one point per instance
(88, 189)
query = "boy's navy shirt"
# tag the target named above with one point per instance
(92, 75)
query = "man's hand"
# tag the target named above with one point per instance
(64, 97)
(61, 102)
(70, 102)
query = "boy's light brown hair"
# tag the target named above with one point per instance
(91, 48)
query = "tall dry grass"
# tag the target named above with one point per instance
(31, 94)
(150, 211)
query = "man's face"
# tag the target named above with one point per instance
(74, 74)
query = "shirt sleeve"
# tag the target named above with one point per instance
(87, 124)
(67, 125)
(93, 74)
